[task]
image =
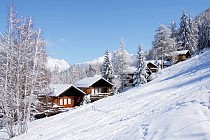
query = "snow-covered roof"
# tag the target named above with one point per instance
(130, 70)
(152, 61)
(175, 53)
(158, 62)
(58, 89)
(89, 81)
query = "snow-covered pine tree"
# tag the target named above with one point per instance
(193, 40)
(184, 33)
(123, 61)
(107, 69)
(174, 33)
(22, 75)
(115, 62)
(203, 34)
(163, 43)
(141, 75)
(117, 84)
(117, 78)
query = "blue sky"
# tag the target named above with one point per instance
(80, 30)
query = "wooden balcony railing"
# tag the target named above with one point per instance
(94, 97)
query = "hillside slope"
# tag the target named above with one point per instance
(173, 106)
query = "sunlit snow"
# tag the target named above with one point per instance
(172, 107)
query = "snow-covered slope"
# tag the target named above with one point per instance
(61, 64)
(172, 107)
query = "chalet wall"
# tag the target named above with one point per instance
(152, 67)
(66, 101)
(182, 57)
(95, 90)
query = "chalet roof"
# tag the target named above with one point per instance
(176, 53)
(152, 63)
(89, 81)
(159, 62)
(58, 89)
(130, 70)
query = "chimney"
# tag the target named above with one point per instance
(54, 90)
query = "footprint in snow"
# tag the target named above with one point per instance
(145, 129)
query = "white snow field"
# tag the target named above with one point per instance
(174, 106)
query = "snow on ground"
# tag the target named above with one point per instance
(172, 107)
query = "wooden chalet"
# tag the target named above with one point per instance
(183, 55)
(128, 76)
(178, 56)
(96, 87)
(62, 95)
(152, 67)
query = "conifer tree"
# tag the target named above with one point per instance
(140, 75)
(174, 34)
(184, 33)
(123, 62)
(107, 69)
(203, 34)
(193, 39)
(115, 62)
(163, 43)
(174, 31)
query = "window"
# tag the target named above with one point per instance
(96, 90)
(100, 90)
(92, 90)
(61, 101)
(104, 90)
(65, 101)
(69, 101)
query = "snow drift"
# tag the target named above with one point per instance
(172, 107)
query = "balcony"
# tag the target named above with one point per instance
(94, 97)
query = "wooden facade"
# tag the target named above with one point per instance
(97, 88)
(67, 101)
(152, 67)
(182, 57)
(178, 56)
(128, 75)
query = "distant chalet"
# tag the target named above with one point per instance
(178, 56)
(152, 67)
